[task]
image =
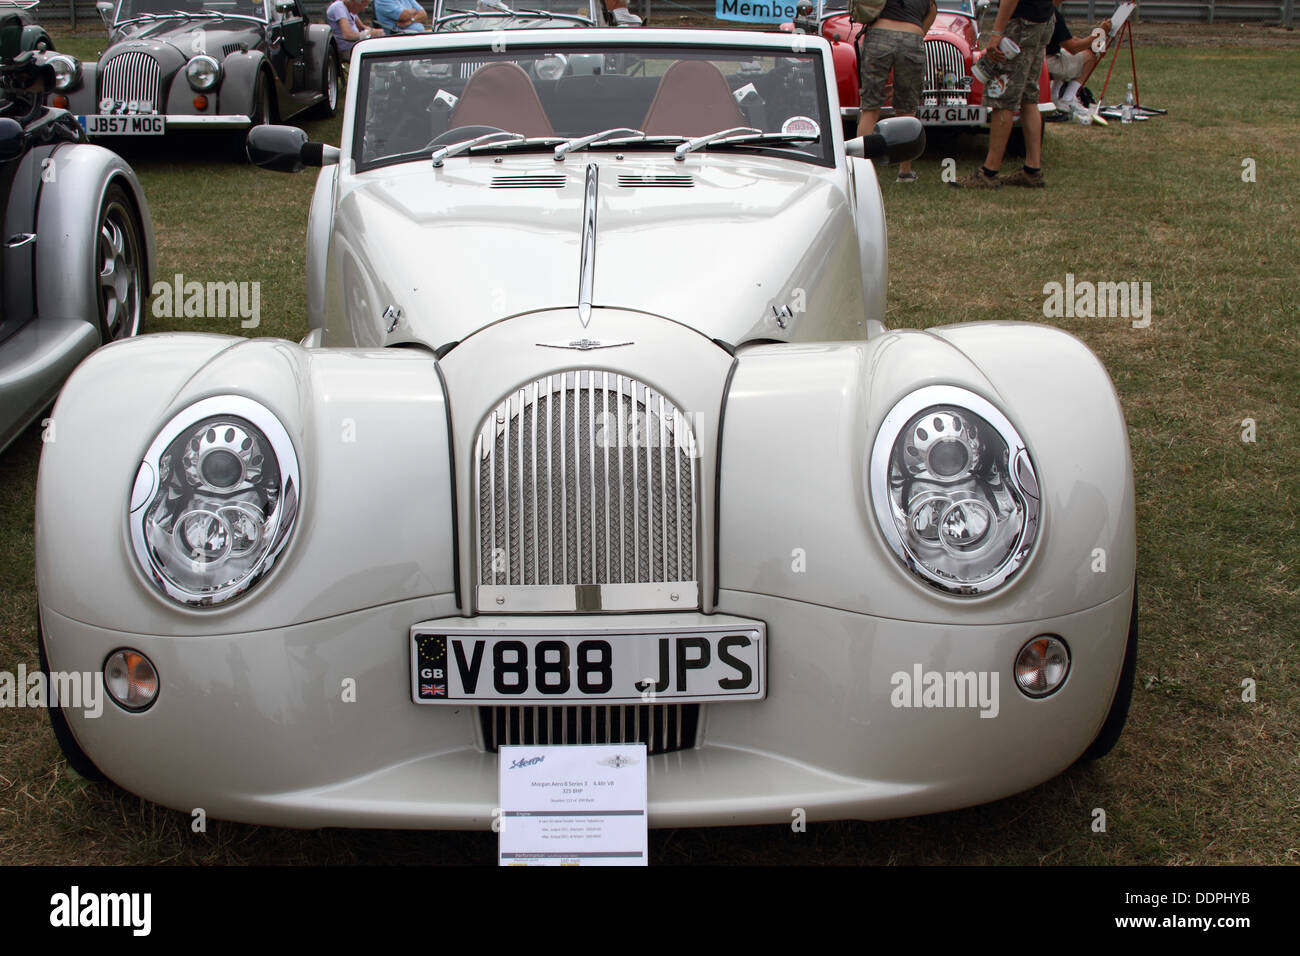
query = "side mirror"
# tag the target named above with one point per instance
(980, 7)
(286, 149)
(895, 140)
(285, 7)
(804, 8)
(105, 12)
(12, 139)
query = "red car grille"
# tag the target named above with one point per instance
(943, 57)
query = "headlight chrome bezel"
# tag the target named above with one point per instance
(1021, 476)
(67, 71)
(279, 524)
(214, 78)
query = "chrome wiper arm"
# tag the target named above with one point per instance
(691, 145)
(455, 149)
(531, 141)
(622, 132)
(749, 138)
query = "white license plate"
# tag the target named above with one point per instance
(100, 124)
(714, 663)
(952, 115)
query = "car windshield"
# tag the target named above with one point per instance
(412, 104)
(148, 9)
(470, 14)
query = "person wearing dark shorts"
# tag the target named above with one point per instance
(1029, 24)
(895, 41)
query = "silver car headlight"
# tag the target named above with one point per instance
(66, 71)
(214, 501)
(203, 72)
(954, 490)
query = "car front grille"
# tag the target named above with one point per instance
(943, 57)
(663, 728)
(588, 478)
(131, 76)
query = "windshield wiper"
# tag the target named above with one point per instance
(691, 145)
(455, 149)
(622, 133)
(765, 139)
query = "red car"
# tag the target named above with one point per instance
(951, 97)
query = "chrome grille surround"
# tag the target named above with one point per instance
(943, 57)
(130, 77)
(663, 728)
(586, 487)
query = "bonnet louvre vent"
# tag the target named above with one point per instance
(230, 48)
(538, 181)
(676, 181)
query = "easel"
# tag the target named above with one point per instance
(1125, 30)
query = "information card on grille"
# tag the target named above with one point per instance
(709, 663)
(573, 806)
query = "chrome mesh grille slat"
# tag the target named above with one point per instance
(586, 477)
(943, 57)
(663, 728)
(130, 76)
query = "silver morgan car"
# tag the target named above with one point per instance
(596, 435)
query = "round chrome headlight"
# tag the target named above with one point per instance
(203, 72)
(66, 71)
(214, 501)
(954, 490)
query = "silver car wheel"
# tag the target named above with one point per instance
(119, 260)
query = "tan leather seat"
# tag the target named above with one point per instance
(502, 95)
(693, 99)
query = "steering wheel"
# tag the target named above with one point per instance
(460, 133)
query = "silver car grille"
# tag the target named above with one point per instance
(663, 728)
(586, 491)
(943, 57)
(131, 76)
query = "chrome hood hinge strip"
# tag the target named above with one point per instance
(587, 261)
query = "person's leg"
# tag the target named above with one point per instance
(867, 120)
(1000, 123)
(1031, 124)
(909, 76)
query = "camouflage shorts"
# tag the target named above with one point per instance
(904, 53)
(1021, 82)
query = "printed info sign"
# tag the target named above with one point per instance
(756, 11)
(573, 805)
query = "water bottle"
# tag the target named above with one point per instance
(1126, 111)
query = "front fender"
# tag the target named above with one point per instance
(72, 191)
(239, 83)
(370, 433)
(799, 428)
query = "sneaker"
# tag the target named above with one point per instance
(906, 178)
(977, 180)
(1022, 178)
(623, 17)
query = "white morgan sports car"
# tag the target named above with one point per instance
(597, 436)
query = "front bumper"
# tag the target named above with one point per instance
(255, 727)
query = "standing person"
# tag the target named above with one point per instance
(400, 16)
(895, 42)
(347, 26)
(1029, 24)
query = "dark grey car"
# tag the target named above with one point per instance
(205, 64)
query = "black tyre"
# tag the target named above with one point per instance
(1113, 726)
(72, 751)
(329, 85)
(120, 266)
